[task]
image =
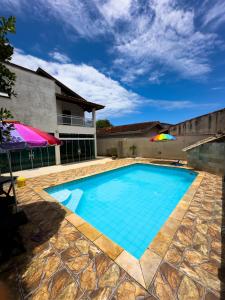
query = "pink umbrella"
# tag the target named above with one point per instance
(22, 136)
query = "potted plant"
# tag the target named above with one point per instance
(114, 153)
(133, 149)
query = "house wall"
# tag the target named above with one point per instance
(208, 157)
(145, 148)
(35, 103)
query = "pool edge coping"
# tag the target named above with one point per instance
(142, 270)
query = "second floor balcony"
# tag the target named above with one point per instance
(71, 120)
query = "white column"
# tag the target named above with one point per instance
(57, 151)
(94, 124)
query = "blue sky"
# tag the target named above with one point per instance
(143, 59)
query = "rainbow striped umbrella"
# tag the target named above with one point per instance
(23, 136)
(163, 137)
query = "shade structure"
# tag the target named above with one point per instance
(163, 137)
(23, 136)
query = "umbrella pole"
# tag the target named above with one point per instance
(11, 175)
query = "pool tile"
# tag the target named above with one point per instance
(89, 231)
(170, 227)
(160, 244)
(131, 265)
(108, 246)
(75, 219)
(150, 262)
(179, 212)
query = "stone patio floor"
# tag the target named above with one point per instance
(67, 265)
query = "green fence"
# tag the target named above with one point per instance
(77, 150)
(28, 159)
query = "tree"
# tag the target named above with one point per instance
(103, 123)
(7, 78)
(5, 127)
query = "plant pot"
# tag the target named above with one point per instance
(114, 157)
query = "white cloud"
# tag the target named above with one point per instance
(215, 14)
(96, 87)
(13, 5)
(172, 105)
(80, 15)
(168, 38)
(146, 34)
(88, 82)
(155, 77)
(113, 10)
(63, 58)
(216, 88)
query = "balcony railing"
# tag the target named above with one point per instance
(74, 121)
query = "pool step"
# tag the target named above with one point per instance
(62, 196)
(73, 200)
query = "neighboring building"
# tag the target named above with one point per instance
(134, 130)
(187, 133)
(124, 137)
(44, 102)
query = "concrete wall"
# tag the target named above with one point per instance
(187, 133)
(208, 157)
(207, 124)
(35, 103)
(145, 148)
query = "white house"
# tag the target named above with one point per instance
(44, 102)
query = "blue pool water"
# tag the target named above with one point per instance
(129, 205)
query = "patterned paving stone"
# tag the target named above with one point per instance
(167, 282)
(174, 255)
(130, 290)
(88, 279)
(61, 263)
(110, 277)
(211, 296)
(58, 283)
(189, 290)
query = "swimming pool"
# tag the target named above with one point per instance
(129, 204)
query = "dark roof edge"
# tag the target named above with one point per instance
(42, 73)
(103, 131)
(79, 101)
(25, 69)
(135, 124)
